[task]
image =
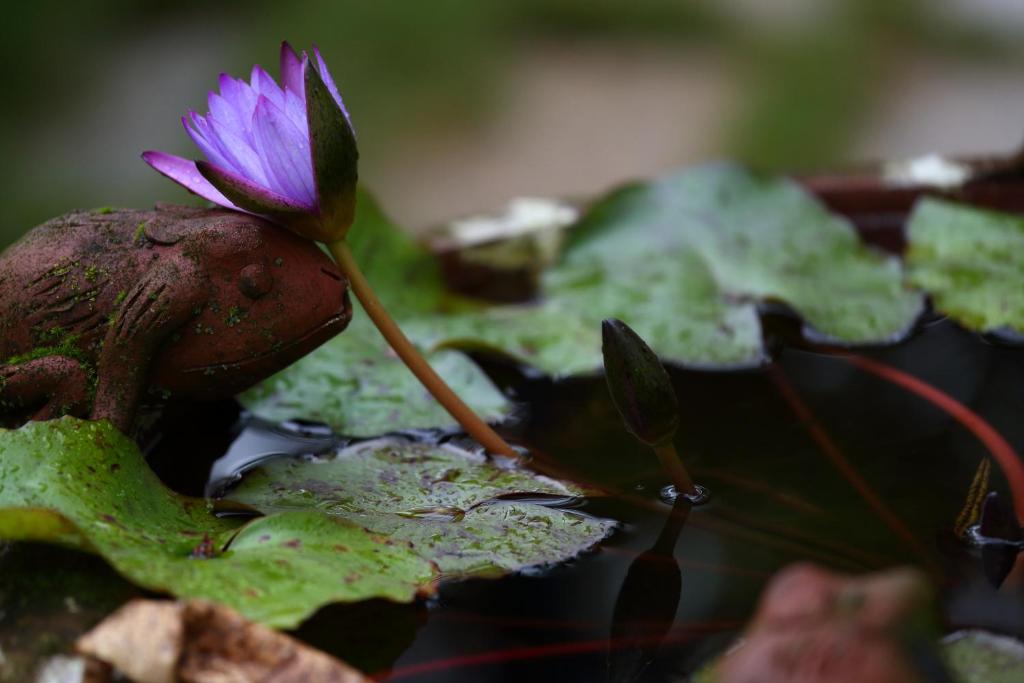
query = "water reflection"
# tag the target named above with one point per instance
(999, 535)
(647, 602)
(777, 499)
(260, 440)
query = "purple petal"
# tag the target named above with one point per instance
(295, 109)
(249, 195)
(200, 134)
(329, 82)
(254, 78)
(241, 98)
(224, 113)
(224, 148)
(264, 84)
(185, 173)
(284, 151)
(230, 90)
(240, 151)
(291, 69)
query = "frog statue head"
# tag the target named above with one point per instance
(270, 298)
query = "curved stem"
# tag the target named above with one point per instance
(1002, 452)
(463, 414)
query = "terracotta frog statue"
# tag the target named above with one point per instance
(100, 310)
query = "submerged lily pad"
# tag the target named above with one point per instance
(971, 261)
(85, 485)
(454, 506)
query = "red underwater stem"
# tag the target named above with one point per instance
(1002, 452)
(845, 467)
(566, 649)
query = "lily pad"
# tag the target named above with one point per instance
(686, 260)
(358, 385)
(457, 508)
(983, 657)
(84, 484)
(971, 261)
(355, 382)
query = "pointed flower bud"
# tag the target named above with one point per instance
(287, 152)
(639, 385)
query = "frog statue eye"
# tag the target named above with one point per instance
(255, 280)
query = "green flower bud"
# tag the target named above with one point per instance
(638, 384)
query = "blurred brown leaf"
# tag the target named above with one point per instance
(814, 626)
(154, 641)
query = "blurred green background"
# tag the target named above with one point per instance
(462, 104)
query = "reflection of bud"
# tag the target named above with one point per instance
(648, 599)
(639, 385)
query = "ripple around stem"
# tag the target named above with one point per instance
(669, 494)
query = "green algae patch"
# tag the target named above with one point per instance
(84, 485)
(971, 262)
(470, 515)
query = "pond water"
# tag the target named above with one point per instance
(825, 457)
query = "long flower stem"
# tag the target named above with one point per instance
(463, 414)
(674, 467)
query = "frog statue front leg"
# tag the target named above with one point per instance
(53, 385)
(154, 309)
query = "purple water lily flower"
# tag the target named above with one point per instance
(285, 151)
(288, 152)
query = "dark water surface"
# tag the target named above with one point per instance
(820, 457)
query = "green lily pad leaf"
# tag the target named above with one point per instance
(355, 382)
(971, 261)
(456, 508)
(84, 484)
(685, 260)
(982, 657)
